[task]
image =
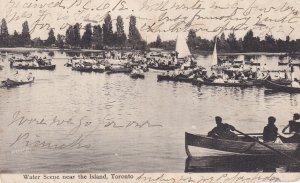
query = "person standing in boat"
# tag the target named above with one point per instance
(270, 131)
(222, 130)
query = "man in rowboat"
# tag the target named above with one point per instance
(270, 131)
(222, 130)
(294, 130)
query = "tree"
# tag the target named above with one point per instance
(120, 34)
(269, 44)
(59, 41)
(77, 37)
(158, 41)
(87, 36)
(97, 40)
(70, 36)
(4, 34)
(51, 38)
(192, 38)
(223, 44)
(107, 31)
(134, 35)
(16, 39)
(232, 42)
(25, 36)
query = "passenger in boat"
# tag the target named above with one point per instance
(294, 130)
(29, 77)
(295, 83)
(222, 131)
(219, 80)
(270, 131)
(213, 76)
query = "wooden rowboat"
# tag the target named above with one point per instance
(225, 84)
(174, 78)
(239, 146)
(137, 75)
(281, 88)
(41, 67)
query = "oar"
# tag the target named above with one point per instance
(274, 150)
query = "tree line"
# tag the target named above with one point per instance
(102, 37)
(94, 37)
(249, 43)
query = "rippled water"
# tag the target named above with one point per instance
(101, 99)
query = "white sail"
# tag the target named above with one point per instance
(181, 47)
(214, 60)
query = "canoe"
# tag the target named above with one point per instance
(164, 67)
(82, 69)
(137, 75)
(99, 70)
(11, 83)
(239, 146)
(225, 84)
(41, 67)
(282, 88)
(119, 70)
(174, 78)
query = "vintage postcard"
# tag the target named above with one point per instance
(149, 91)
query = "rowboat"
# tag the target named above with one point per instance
(239, 146)
(163, 67)
(119, 70)
(282, 88)
(40, 67)
(174, 78)
(82, 69)
(225, 84)
(12, 83)
(137, 75)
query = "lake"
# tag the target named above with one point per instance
(119, 124)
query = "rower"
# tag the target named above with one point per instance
(294, 130)
(270, 131)
(222, 131)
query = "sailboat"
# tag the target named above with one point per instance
(182, 48)
(182, 51)
(214, 61)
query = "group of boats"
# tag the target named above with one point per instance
(34, 62)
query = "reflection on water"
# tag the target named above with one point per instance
(240, 163)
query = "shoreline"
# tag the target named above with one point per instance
(24, 49)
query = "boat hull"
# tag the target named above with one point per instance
(172, 78)
(281, 88)
(11, 83)
(137, 76)
(241, 147)
(46, 67)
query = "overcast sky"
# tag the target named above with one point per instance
(165, 17)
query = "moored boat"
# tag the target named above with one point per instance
(235, 146)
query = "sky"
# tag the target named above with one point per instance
(168, 18)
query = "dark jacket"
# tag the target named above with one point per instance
(223, 131)
(270, 133)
